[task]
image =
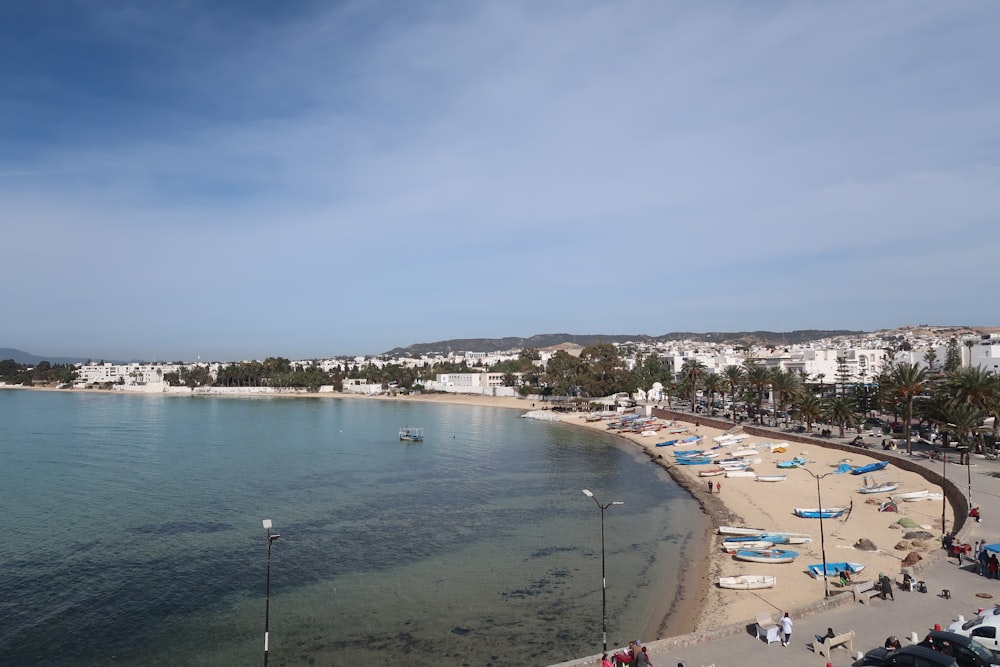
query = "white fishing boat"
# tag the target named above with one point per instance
(926, 496)
(712, 473)
(408, 434)
(747, 582)
(737, 530)
(648, 433)
(771, 478)
(740, 473)
(884, 487)
(910, 496)
(742, 453)
(749, 545)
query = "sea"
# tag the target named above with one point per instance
(132, 533)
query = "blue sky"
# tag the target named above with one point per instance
(231, 180)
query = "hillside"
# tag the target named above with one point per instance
(739, 339)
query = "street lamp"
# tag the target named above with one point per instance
(822, 538)
(604, 580)
(267, 594)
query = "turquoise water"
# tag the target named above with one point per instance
(133, 533)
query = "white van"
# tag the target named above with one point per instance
(981, 628)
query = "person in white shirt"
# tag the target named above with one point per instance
(786, 629)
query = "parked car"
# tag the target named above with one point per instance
(981, 628)
(908, 656)
(875, 421)
(967, 651)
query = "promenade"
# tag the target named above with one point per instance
(910, 612)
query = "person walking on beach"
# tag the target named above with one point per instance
(993, 566)
(718, 487)
(886, 586)
(786, 629)
(709, 486)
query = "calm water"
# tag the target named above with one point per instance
(132, 533)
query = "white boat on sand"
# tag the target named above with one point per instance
(746, 582)
(771, 478)
(737, 530)
(740, 473)
(911, 495)
(750, 545)
(884, 487)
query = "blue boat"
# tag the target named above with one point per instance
(794, 463)
(833, 569)
(827, 513)
(692, 438)
(688, 452)
(694, 460)
(767, 556)
(871, 467)
(666, 443)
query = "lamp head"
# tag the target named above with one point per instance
(272, 538)
(618, 502)
(267, 524)
(587, 493)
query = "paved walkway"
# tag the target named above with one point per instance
(908, 613)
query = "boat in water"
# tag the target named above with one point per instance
(747, 582)
(407, 434)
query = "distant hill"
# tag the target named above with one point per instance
(739, 339)
(22, 357)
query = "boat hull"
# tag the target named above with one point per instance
(771, 478)
(769, 556)
(747, 582)
(808, 513)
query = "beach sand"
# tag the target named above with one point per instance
(747, 502)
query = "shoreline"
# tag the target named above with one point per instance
(697, 603)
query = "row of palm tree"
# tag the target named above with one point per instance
(955, 401)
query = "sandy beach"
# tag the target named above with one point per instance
(747, 502)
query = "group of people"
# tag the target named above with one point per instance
(987, 563)
(717, 486)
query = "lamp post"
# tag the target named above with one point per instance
(822, 538)
(267, 591)
(604, 580)
(944, 491)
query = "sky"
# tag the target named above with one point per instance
(232, 180)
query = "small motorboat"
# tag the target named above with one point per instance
(771, 478)
(747, 582)
(833, 569)
(884, 487)
(767, 555)
(407, 434)
(815, 513)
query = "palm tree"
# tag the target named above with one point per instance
(712, 385)
(930, 358)
(907, 381)
(965, 419)
(809, 408)
(969, 343)
(693, 370)
(785, 384)
(758, 377)
(733, 377)
(840, 411)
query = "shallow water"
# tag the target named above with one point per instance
(133, 533)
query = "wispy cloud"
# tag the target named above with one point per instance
(342, 169)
